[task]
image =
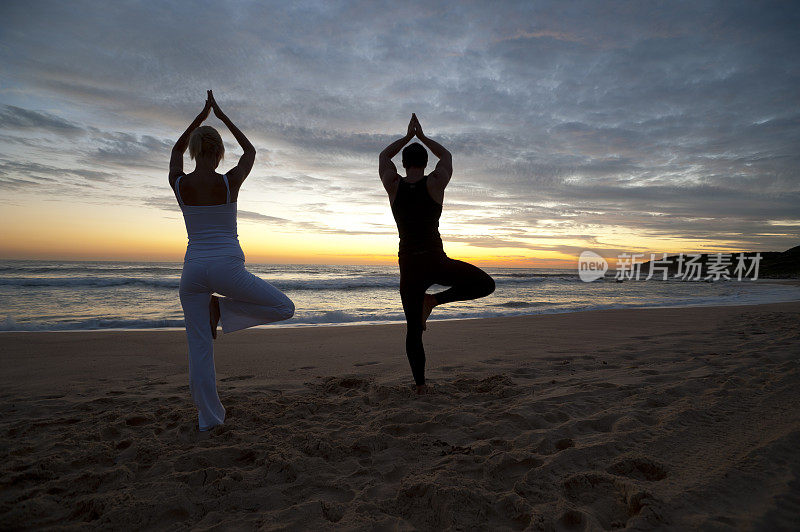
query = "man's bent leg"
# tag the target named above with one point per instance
(465, 281)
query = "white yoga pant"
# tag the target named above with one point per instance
(248, 301)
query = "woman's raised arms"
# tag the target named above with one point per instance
(239, 173)
(176, 159)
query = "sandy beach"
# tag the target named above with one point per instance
(649, 418)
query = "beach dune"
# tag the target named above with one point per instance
(642, 418)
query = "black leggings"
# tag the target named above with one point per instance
(417, 274)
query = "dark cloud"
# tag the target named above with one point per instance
(258, 217)
(125, 149)
(12, 117)
(31, 173)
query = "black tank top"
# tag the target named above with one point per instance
(417, 216)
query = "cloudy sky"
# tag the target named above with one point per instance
(611, 126)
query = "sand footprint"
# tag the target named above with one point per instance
(507, 468)
(603, 500)
(640, 468)
(136, 421)
(550, 446)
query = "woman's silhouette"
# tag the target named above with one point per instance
(214, 261)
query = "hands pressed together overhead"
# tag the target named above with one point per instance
(210, 104)
(414, 127)
(241, 170)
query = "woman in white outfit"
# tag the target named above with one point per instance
(214, 261)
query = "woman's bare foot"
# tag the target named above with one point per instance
(213, 307)
(427, 306)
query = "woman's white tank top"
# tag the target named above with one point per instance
(211, 228)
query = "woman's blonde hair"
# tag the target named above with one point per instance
(206, 140)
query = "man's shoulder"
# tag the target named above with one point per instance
(438, 174)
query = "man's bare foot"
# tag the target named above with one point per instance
(213, 307)
(427, 306)
(423, 389)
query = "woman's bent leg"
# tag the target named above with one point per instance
(465, 281)
(195, 297)
(249, 300)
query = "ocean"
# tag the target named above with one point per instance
(56, 296)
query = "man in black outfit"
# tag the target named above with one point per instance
(416, 201)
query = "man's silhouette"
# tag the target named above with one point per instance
(416, 201)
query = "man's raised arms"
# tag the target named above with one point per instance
(441, 175)
(386, 168)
